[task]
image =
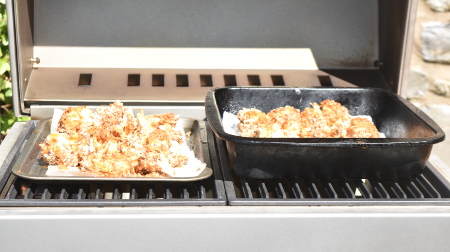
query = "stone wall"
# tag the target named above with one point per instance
(429, 80)
(430, 67)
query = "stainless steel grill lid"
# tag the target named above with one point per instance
(94, 52)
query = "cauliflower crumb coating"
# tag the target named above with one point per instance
(329, 119)
(111, 142)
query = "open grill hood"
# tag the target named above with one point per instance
(171, 53)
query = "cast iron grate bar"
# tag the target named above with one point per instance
(63, 194)
(28, 194)
(312, 188)
(346, 188)
(117, 194)
(81, 193)
(426, 187)
(133, 194)
(246, 189)
(12, 193)
(412, 190)
(201, 191)
(167, 192)
(330, 190)
(46, 194)
(362, 188)
(397, 190)
(262, 189)
(379, 189)
(98, 194)
(279, 189)
(296, 190)
(151, 192)
(184, 193)
(39, 191)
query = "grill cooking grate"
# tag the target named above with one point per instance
(429, 188)
(419, 188)
(26, 193)
(369, 189)
(18, 191)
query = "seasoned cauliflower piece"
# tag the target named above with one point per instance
(329, 119)
(112, 142)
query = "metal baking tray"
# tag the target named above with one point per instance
(31, 166)
(410, 134)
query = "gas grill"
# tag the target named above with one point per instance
(66, 53)
(429, 188)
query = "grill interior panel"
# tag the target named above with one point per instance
(78, 85)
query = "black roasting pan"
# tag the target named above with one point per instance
(410, 135)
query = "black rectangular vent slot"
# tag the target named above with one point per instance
(182, 80)
(325, 81)
(134, 80)
(206, 80)
(277, 80)
(158, 80)
(230, 80)
(85, 80)
(253, 80)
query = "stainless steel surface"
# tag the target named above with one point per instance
(408, 41)
(57, 85)
(8, 142)
(30, 165)
(343, 35)
(226, 229)
(340, 33)
(396, 30)
(20, 30)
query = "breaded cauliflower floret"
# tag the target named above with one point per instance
(112, 142)
(328, 120)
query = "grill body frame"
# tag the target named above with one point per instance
(254, 225)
